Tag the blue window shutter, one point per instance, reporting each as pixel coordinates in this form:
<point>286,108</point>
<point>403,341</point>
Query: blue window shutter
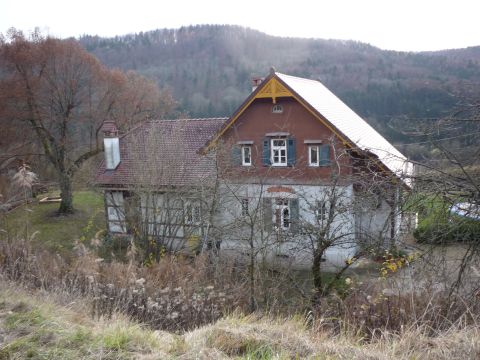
<point>266,152</point>
<point>291,155</point>
<point>324,155</point>
<point>236,155</point>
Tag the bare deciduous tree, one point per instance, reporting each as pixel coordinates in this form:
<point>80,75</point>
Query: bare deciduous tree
<point>62,94</point>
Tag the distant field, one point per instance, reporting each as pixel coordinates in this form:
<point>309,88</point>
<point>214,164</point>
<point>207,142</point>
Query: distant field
<point>58,234</point>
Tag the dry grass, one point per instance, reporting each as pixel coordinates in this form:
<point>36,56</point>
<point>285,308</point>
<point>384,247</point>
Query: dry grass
<point>174,295</point>
<point>38,324</point>
<point>42,325</point>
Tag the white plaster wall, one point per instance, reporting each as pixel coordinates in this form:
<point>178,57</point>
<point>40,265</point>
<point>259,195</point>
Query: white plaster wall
<point>115,211</point>
<point>373,222</point>
<point>295,251</point>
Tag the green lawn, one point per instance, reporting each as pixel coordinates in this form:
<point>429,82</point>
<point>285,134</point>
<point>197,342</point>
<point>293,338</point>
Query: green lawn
<point>57,233</point>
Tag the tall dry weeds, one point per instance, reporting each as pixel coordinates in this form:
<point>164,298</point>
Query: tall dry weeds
<point>174,295</point>
<point>179,294</point>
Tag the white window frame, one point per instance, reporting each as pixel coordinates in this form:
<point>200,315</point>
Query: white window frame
<point>280,206</point>
<point>315,148</point>
<point>246,155</point>
<point>278,148</point>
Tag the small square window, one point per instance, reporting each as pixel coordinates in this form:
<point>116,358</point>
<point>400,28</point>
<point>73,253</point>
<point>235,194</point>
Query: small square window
<point>246,155</point>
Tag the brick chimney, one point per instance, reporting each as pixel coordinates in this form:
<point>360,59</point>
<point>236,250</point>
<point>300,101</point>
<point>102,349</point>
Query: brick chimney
<point>109,129</point>
<point>111,144</point>
<point>256,81</point>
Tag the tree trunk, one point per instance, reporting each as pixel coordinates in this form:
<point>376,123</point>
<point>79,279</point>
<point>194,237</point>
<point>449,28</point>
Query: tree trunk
<point>317,279</point>
<point>66,193</point>
<point>251,275</point>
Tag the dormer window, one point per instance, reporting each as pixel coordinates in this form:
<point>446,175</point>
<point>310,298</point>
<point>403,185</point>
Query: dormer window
<point>277,109</point>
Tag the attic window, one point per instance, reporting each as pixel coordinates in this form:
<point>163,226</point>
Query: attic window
<point>277,109</point>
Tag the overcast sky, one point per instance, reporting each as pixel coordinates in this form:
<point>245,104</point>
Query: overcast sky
<point>413,25</point>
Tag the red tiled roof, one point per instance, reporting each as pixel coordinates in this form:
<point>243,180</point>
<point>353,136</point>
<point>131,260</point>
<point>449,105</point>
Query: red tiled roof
<point>162,153</point>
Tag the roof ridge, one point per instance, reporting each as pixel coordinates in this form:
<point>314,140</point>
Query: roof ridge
<point>301,78</point>
<point>190,119</point>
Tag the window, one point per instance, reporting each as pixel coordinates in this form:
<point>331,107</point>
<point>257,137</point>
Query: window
<point>246,155</point>
<point>313,155</point>
<point>324,155</point>
<point>278,149</point>
<point>244,207</point>
<point>279,152</point>
<point>321,211</point>
<point>319,155</point>
<point>192,213</point>
<point>281,214</point>
<point>115,211</point>
<point>277,109</point>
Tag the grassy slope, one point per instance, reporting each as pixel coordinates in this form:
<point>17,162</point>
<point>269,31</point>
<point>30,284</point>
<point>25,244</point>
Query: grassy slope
<point>35,326</point>
<point>41,326</point>
<point>59,233</point>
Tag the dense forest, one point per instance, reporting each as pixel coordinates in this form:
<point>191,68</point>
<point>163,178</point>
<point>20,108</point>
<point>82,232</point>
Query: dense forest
<point>209,67</point>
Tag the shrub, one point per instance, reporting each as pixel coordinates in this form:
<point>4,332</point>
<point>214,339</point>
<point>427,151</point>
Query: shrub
<point>369,309</point>
<point>438,226</point>
<point>453,230</point>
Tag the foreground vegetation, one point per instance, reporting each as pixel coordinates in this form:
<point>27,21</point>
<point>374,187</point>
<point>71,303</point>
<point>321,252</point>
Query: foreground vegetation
<point>41,325</point>
<point>89,303</point>
<point>84,307</point>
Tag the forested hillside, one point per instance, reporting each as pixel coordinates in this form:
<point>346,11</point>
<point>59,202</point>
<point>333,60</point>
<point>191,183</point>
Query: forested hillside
<point>209,70</point>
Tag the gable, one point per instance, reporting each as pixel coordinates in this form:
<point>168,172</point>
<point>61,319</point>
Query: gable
<point>260,119</point>
<point>273,89</point>
<point>258,127</point>
<point>349,127</point>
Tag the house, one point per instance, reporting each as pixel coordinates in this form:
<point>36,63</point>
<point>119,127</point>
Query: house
<point>292,162</point>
